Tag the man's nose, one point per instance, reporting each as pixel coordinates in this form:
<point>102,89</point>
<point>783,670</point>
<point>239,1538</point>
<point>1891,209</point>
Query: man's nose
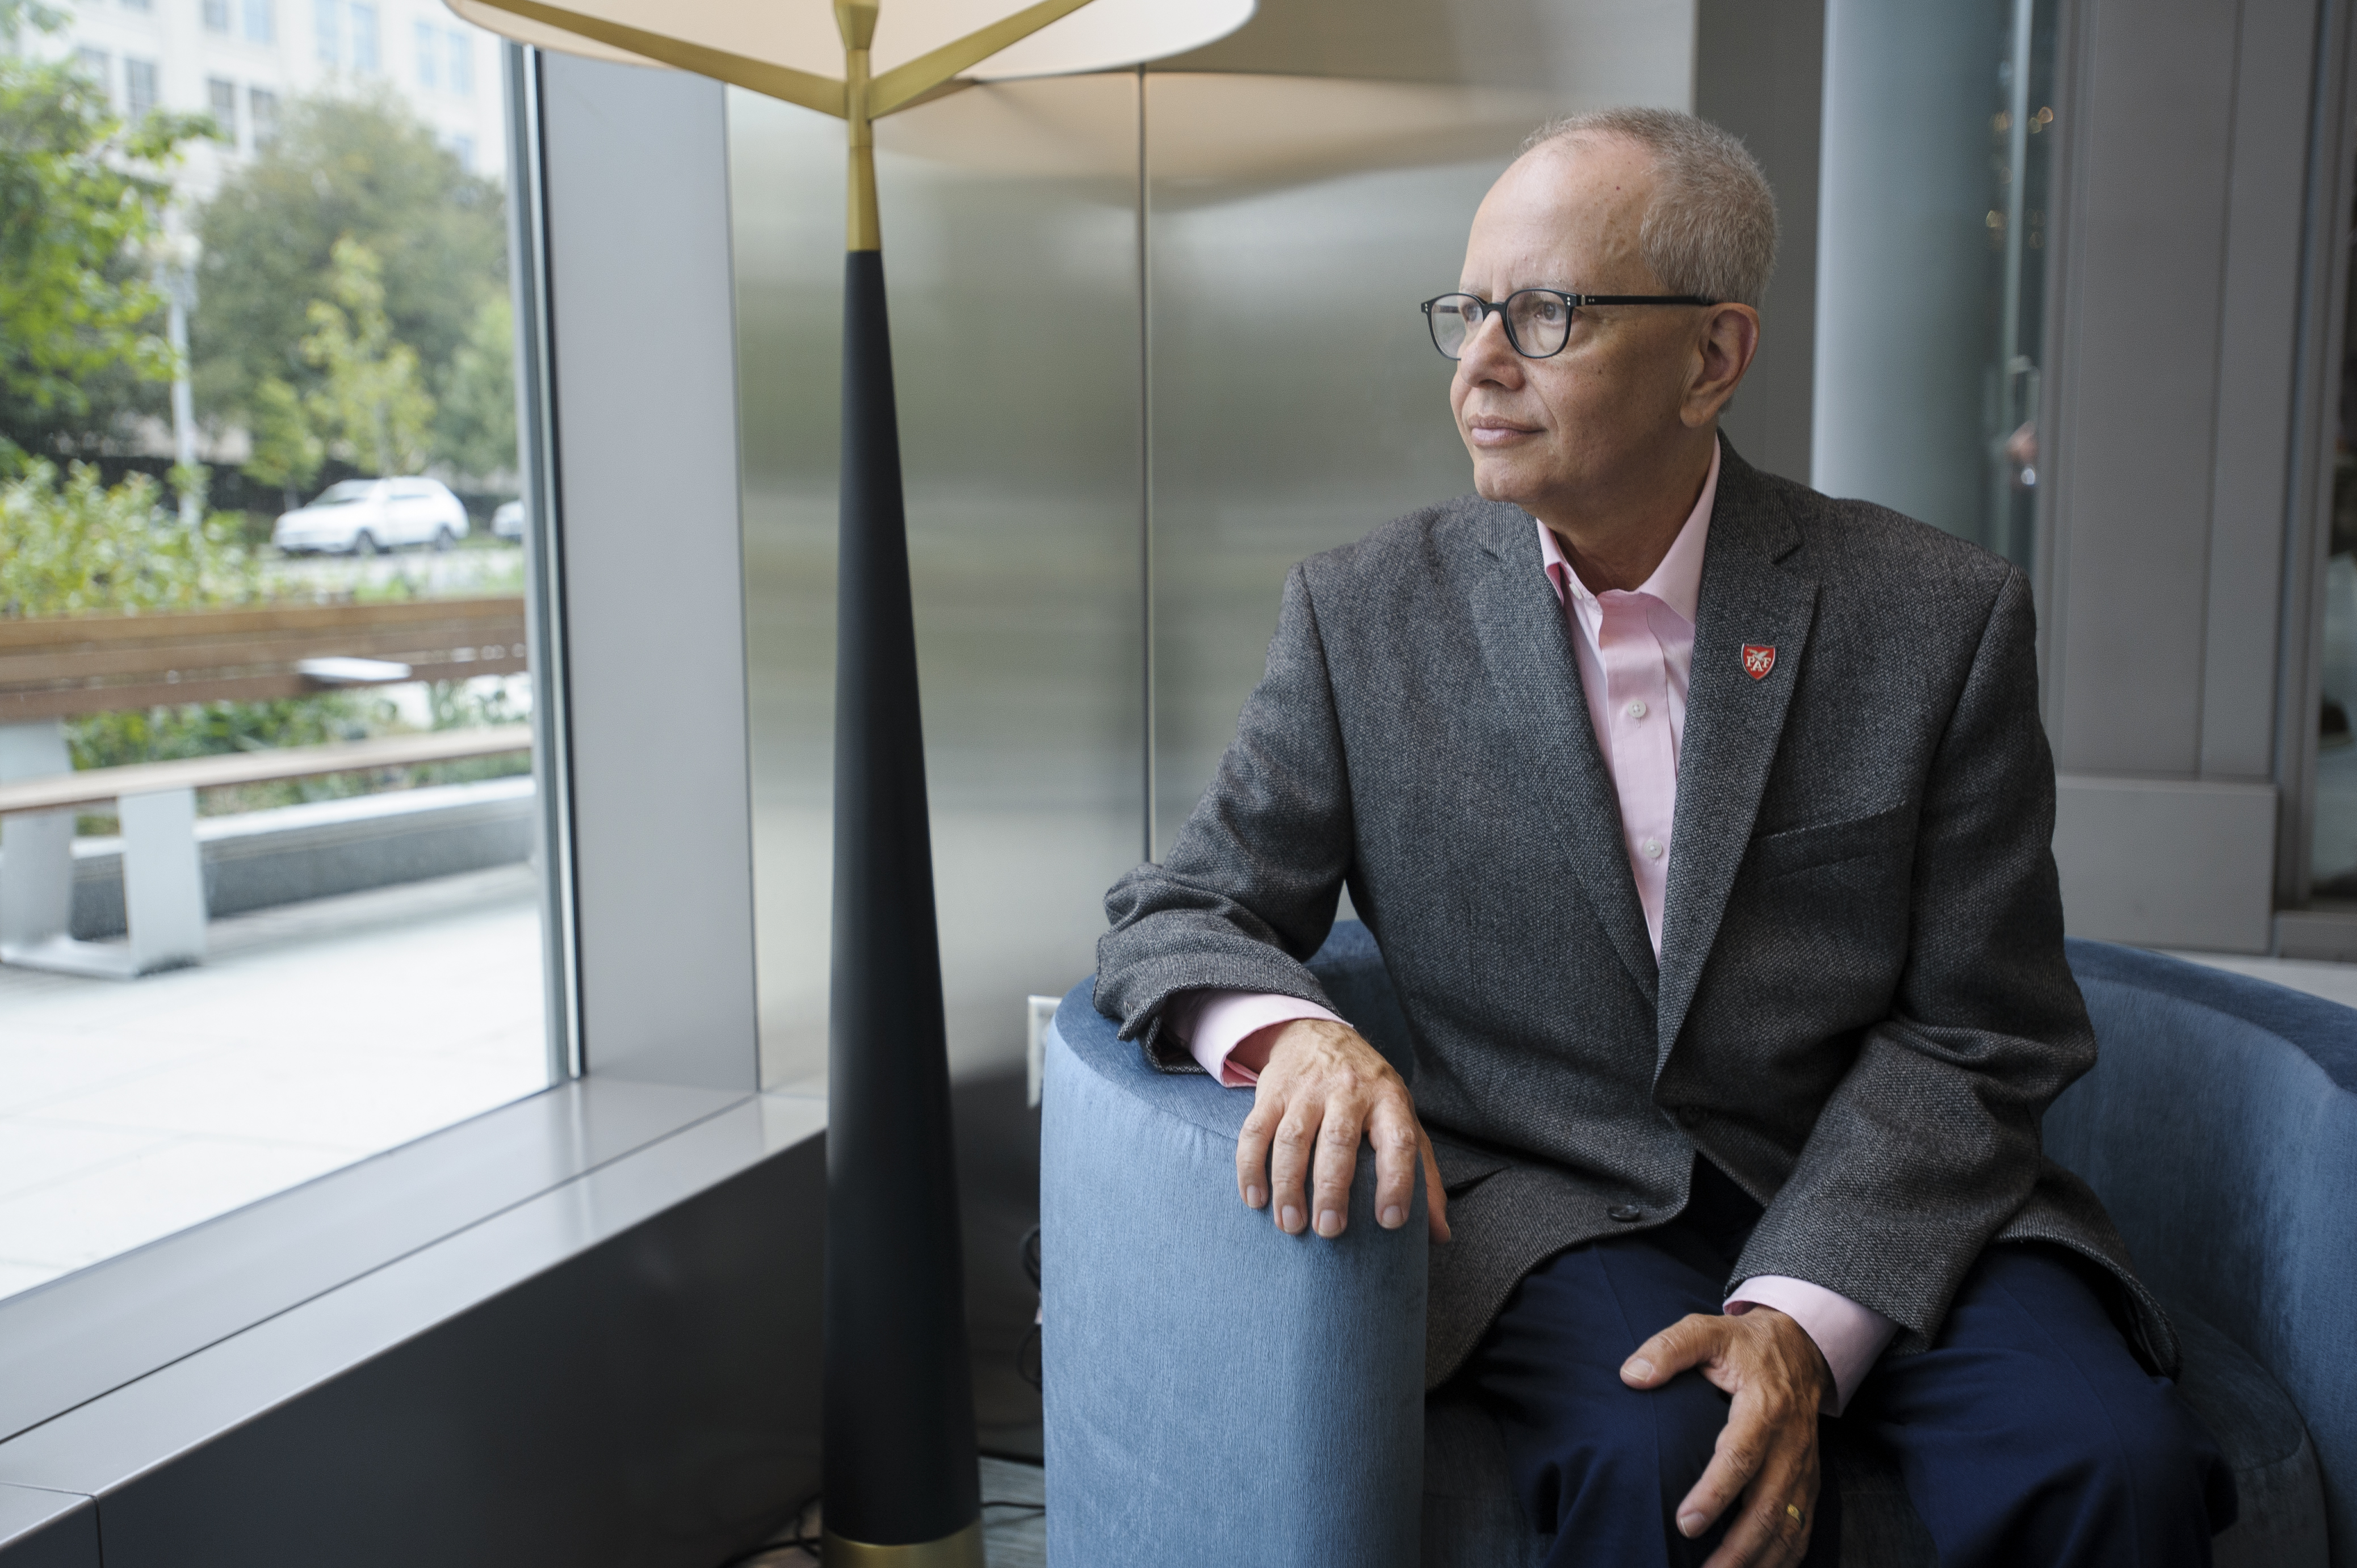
<point>1487,353</point>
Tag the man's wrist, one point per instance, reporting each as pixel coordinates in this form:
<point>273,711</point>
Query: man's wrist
<point>1785,1322</point>
<point>1848,1337</point>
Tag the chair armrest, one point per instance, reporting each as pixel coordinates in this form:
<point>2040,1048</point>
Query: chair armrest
<point>2220,1128</point>
<point>1216,1390</point>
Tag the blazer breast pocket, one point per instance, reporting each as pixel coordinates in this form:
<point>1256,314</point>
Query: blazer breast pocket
<point>1829,843</point>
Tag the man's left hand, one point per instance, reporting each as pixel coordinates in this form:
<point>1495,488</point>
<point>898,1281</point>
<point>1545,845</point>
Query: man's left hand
<point>1767,1453</point>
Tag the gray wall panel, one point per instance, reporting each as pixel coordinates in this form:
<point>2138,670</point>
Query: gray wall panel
<point>2256,353</point>
<point>646,442</point>
<point>2210,888</point>
<point>2144,301</point>
<point>1760,71</point>
<point>2195,176</point>
<point>1010,246</point>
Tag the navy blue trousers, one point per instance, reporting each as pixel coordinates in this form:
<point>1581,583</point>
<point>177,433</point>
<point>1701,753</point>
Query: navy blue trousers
<point>2027,1434</point>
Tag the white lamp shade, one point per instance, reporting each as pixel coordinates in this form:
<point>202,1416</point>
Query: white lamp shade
<point>801,34</point>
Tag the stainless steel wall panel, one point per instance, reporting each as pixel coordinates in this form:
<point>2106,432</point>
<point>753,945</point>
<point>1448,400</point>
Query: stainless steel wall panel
<point>1010,253</point>
<point>1293,224</point>
<point>1584,53</point>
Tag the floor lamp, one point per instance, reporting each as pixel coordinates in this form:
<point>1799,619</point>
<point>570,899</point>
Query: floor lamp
<point>902,1484</point>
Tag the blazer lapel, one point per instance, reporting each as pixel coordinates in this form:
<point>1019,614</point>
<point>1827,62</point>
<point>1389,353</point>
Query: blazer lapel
<point>1733,719</point>
<point>1526,649</point>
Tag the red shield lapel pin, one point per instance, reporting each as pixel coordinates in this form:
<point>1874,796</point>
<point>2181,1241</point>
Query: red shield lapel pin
<point>1758,661</point>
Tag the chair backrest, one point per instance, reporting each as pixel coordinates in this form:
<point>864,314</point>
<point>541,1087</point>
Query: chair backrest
<point>2220,1128</point>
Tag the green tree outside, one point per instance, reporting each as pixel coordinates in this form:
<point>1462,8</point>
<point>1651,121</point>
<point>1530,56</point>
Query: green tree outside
<point>372,401</point>
<point>81,196</point>
<point>475,432</point>
<point>361,169</point>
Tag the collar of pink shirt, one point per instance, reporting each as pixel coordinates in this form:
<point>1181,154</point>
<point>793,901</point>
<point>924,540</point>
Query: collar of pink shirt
<point>1676,582</point>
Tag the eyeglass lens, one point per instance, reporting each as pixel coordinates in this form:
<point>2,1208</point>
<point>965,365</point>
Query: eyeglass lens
<point>1537,321</point>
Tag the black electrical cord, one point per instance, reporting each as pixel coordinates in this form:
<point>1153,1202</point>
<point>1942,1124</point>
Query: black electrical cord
<point>1026,1355</point>
<point>808,1545</point>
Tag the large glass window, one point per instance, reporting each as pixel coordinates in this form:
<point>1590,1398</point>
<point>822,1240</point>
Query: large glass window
<point>267,805</point>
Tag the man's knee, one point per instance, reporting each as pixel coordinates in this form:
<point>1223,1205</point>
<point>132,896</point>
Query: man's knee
<point>2136,1453</point>
<point>1659,1438</point>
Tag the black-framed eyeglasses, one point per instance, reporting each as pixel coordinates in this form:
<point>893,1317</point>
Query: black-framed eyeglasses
<point>1537,321</point>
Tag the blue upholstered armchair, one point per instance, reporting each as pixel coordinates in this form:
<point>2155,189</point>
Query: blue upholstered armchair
<point>1218,1391</point>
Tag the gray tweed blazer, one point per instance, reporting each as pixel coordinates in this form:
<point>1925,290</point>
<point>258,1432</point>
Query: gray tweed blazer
<point>1861,1010</point>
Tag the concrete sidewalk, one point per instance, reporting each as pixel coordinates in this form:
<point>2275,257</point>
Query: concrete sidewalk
<point>315,1034</point>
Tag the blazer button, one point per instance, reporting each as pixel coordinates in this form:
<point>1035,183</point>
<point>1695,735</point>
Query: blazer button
<point>1625,1213</point>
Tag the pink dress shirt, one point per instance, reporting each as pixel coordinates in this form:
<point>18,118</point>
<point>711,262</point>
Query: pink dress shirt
<point>1635,649</point>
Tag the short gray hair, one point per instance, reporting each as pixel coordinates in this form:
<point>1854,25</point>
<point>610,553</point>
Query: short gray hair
<point>1711,229</point>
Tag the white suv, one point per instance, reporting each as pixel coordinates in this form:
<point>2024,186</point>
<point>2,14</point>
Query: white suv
<point>363,516</point>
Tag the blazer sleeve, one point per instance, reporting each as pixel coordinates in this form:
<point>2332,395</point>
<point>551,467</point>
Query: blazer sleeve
<point>1930,1142</point>
<point>1250,886</point>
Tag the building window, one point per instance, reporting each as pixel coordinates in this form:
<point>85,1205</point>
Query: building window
<point>96,65</point>
<point>327,30</point>
<point>462,65</point>
<point>262,110</point>
<point>463,149</point>
<point>365,58</point>
<point>260,22</point>
<point>221,98</point>
<point>139,4</point>
<point>429,55</point>
<point>138,86</point>
<point>216,15</point>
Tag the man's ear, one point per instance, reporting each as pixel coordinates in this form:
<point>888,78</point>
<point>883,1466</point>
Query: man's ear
<point>1731,336</point>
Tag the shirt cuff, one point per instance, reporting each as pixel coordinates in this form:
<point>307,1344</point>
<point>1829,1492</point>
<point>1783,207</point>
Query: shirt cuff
<point>1848,1335</point>
<point>1212,1023</point>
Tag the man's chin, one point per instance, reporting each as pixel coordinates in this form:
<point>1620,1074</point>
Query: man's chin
<point>1494,483</point>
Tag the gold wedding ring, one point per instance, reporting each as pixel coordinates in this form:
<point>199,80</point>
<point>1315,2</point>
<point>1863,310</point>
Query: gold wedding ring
<point>1795,1510</point>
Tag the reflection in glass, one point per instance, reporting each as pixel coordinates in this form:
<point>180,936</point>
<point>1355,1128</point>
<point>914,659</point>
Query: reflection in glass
<point>2021,136</point>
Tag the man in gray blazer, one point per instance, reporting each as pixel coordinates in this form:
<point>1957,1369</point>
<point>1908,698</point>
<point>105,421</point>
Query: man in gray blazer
<point>1704,824</point>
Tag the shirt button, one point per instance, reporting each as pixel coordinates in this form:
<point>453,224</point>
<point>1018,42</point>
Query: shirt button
<point>1651,849</point>
<point>1637,710</point>
<point>1624,1213</point>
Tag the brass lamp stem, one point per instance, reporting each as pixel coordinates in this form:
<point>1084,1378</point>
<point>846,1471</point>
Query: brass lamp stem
<point>856,21</point>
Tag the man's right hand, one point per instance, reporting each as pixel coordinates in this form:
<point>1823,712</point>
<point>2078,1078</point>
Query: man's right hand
<point>1321,1086</point>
